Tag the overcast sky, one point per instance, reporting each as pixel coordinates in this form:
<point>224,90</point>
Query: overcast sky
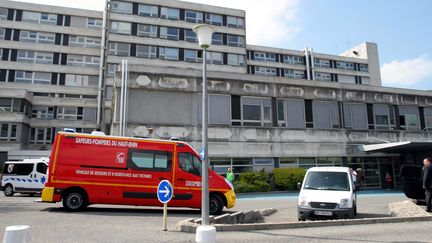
<point>401,29</point>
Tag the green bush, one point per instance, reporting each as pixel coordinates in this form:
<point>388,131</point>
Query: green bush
<point>252,182</point>
<point>287,178</point>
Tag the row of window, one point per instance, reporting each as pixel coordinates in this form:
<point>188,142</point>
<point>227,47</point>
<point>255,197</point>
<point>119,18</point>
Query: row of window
<point>15,105</point>
<point>30,77</point>
<point>296,113</point>
<point>173,33</point>
<point>63,113</point>
<point>341,65</point>
<point>192,16</point>
<point>173,54</point>
<point>50,38</point>
<point>301,74</point>
<point>50,18</point>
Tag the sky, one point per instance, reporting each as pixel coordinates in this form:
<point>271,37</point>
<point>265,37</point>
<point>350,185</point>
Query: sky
<point>401,29</point>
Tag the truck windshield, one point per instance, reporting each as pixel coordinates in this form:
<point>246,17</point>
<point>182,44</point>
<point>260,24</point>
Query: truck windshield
<point>334,181</point>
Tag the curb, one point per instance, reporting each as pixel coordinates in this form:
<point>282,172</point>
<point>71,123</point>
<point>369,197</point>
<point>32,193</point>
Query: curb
<point>188,227</point>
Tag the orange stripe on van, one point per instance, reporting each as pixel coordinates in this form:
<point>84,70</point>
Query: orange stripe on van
<point>102,184</point>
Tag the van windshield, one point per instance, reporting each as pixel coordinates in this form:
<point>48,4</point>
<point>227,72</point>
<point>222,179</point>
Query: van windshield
<point>334,181</point>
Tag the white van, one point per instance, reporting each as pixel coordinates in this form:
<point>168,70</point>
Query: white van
<point>327,192</point>
<point>27,176</point>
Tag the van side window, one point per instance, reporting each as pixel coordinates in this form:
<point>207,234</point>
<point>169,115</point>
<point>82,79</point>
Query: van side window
<point>41,168</point>
<point>149,160</point>
<point>23,169</point>
<point>190,163</point>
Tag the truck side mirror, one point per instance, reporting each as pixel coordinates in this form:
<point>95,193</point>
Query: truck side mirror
<point>299,185</point>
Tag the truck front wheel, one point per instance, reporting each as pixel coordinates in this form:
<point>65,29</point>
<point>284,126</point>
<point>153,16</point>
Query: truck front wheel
<point>216,204</point>
<point>74,201</point>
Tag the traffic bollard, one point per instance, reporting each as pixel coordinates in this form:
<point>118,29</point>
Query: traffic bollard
<point>17,234</point>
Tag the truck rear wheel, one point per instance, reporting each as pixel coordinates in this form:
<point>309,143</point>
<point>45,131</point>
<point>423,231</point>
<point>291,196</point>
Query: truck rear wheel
<point>216,204</point>
<point>8,190</point>
<point>74,201</point>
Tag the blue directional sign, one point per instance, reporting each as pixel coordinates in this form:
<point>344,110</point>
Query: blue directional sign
<point>165,191</point>
<point>202,154</point>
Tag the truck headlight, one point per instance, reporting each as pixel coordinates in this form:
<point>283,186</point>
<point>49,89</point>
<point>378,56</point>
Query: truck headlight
<point>302,202</point>
<point>344,203</point>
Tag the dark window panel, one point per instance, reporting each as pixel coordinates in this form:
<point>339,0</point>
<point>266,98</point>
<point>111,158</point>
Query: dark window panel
<point>11,77</point>
<point>135,8</point>
<point>5,56</point>
<point>309,113</point>
<point>67,20</point>
<point>134,29</point>
<point>57,39</point>
<point>274,113</point>
<point>14,53</point>
<point>65,39</point>
<point>225,58</point>
<point>54,77</point>
<point>80,111</point>
<point>224,20</point>
<point>370,116</point>
<point>63,59</point>
<point>10,14</point>
<point>182,14</point>
<point>60,19</point>
<point>18,15</point>
<point>181,34</point>
<point>235,107</point>
<point>8,34</point>
<point>56,58</point>
<point>394,115</point>
<point>16,35</point>
<point>422,118</point>
<point>62,79</point>
<point>181,54</point>
<point>133,50</point>
<point>3,75</point>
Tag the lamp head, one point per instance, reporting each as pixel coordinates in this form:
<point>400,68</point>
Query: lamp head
<point>204,33</point>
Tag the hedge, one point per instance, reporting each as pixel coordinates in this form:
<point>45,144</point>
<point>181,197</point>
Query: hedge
<point>287,178</point>
<point>252,182</point>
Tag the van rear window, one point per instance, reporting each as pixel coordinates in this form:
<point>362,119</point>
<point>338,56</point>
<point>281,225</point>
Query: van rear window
<point>149,160</point>
<point>18,169</point>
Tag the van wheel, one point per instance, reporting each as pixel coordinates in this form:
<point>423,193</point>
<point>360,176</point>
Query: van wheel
<point>355,209</point>
<point>8,190</point>
<point>216,204</point>
<point>74,201</point>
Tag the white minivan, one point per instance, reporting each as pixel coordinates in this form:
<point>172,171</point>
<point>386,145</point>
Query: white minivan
<point>27,176</point>
<point>327,192</point>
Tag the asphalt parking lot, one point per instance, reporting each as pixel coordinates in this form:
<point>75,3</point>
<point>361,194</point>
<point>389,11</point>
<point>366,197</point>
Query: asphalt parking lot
<point>113,223</point>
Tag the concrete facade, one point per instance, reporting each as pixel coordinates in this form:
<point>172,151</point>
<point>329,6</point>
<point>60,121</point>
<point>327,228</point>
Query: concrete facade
<point>269,107</point>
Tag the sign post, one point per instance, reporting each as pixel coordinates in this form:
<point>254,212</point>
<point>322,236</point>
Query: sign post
<point>165,192</point>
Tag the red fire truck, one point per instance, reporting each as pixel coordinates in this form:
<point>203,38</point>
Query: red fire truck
<point>89,169</point>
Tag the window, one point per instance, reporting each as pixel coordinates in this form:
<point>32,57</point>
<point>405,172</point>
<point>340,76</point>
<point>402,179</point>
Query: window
<point>3,13</point>
<point>215,19</point>
<point>219,109</point>
<point>23,169</point>
<point>84,41</point>
<point>94,23</point>
<point>217,39</point>
<point>30,17</point>
<point>322,76</point>
<point>23,77</point>
<point>190,36</point>
<point>166,53</point>
<point>43,112</point>
<point>193,16</point>
<point>409,118</point>
<point>262,56</point>
<point>28,36</point>
<point>346,79</point>
<point>121,7</point>
<point>6,104</point>
<point>2,33</point>
<point>147,10</point>
<point>119,49</point>
<point>264,161</point>
<point>40,135</point>
<point>42,78</point>
<point>345,65</point>
<point>26,56</point>
<point>235,40</point>
<point>365,80</point>
<point>146,51</point>
<point>355,116</point>
<point>215,58</point>
<point>76,80</point>
<point>121,27</point>
<point>235,60</point>
<point>68,113</point>
<point>44,57</point>
<point>428,118</point>
<point>41,168</point>
<point>235,22</point>
<point>321,63</point>
<point>265,71</point>
<point>326,115</point>
<point>149,160</point>
<point>146,30</point>
<point>47,18</point>
<point>363,67</point>
<point>291,73</point>
<point>383,117</point>
<point>192,56</point>
<point>190,163</point>
<point>8,132</point>
<point>112,68</point>
<point>291,113</point>
<point>169,33</point>
<point>289,59</point>
<point>256,111</point>
<point>46,38</point>
<point>83,61</point>
<point>170,13</point>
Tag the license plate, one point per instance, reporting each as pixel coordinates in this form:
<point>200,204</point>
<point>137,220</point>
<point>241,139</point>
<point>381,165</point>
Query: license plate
<point>323,213</point>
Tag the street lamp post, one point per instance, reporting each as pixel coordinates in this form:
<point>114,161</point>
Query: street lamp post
<point>205,232</point>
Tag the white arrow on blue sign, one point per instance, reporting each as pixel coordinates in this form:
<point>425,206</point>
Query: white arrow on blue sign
<point>165,191</point>
<point>202,155</point>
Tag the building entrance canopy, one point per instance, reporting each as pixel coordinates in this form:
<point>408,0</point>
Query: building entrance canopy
<point>399,147</point>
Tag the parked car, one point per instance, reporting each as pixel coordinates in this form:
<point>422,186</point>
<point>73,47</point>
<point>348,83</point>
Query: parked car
<point>411,182</point>
<point>327,192</point>
<point>27,176</point>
